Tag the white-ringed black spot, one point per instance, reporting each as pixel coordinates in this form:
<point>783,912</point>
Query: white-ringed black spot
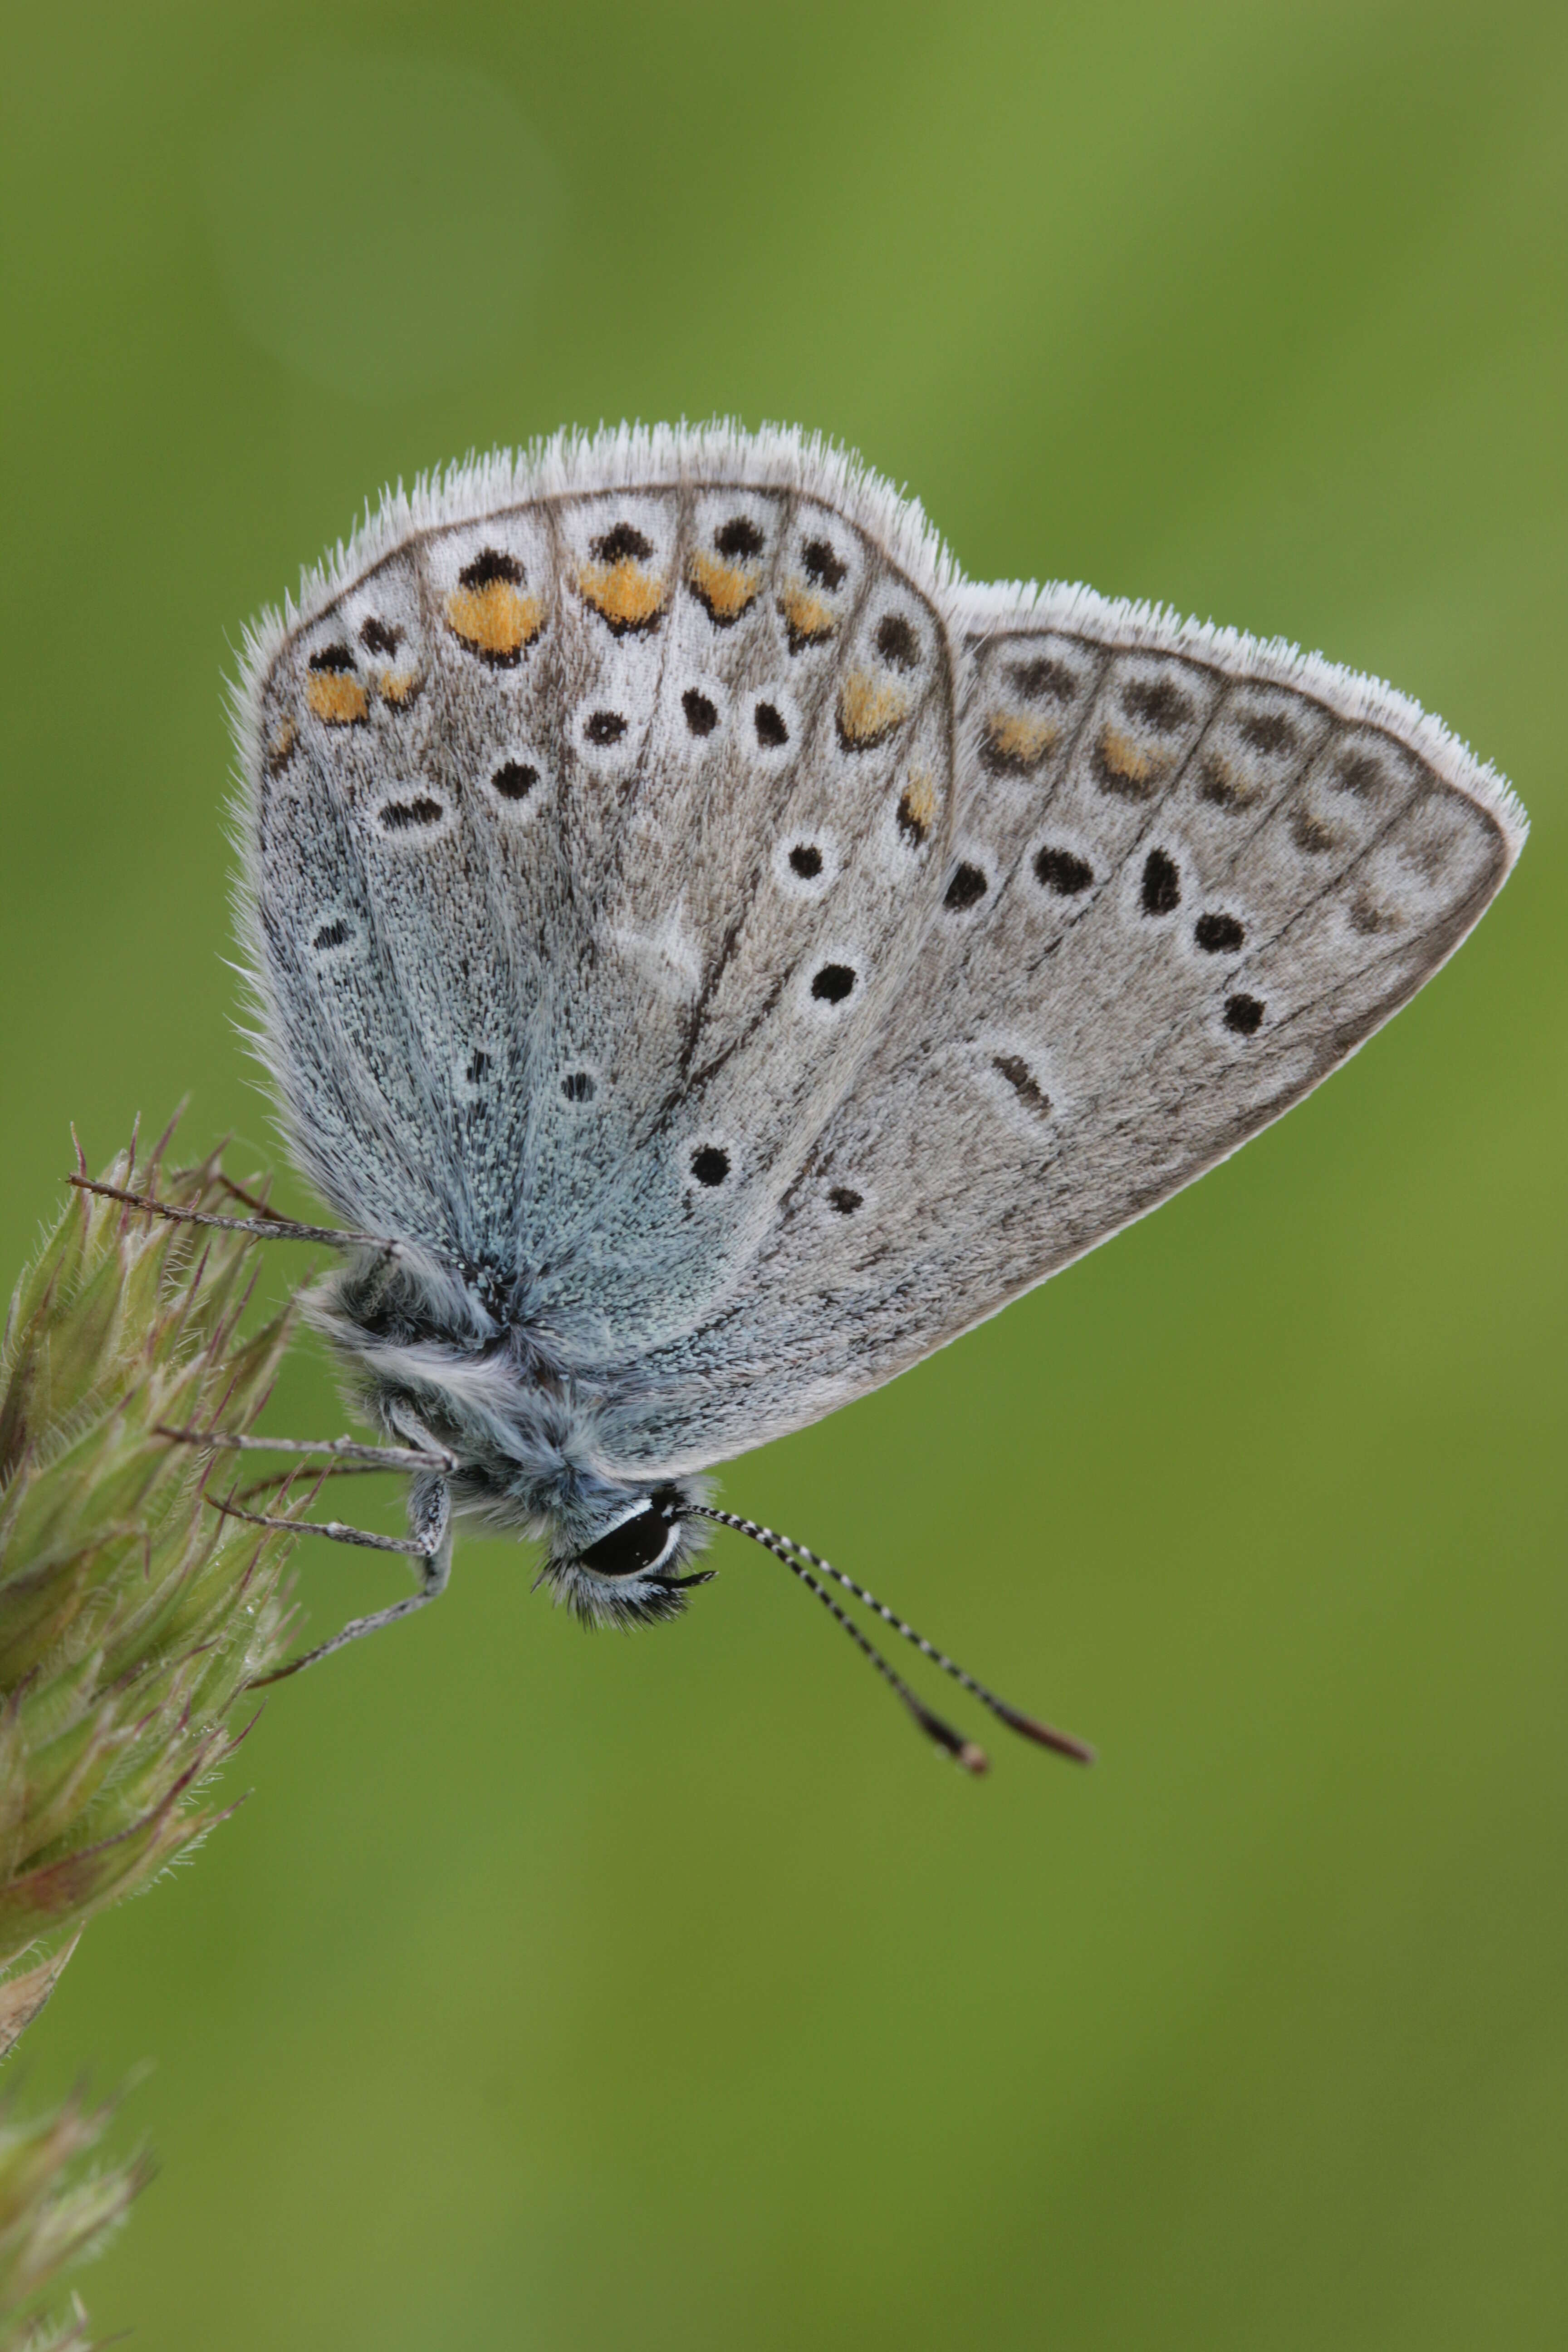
<point>844,1199</point>
<point>966,889</point>
<point>739,539</point>
<point>701,715</point>
<point>622,545</point>
<point>405,816</point>
<point>806,859</point>
<point>1162,892</point>
<point>897,642</point>
<point>1218,934</point>
<point>1061,871</point>
<point>335,934</point>
<point>821,566</point>
<point>772,731</point>
<point>1244,1014</point>
<point>833,984</point>
<point>514,779</point>
<point>578,1087</point>
<point>1023,1081</point>
<point>604,727</point>
<point>711,1164</point>
<point>379,636</point>
<point>336,658</point>
<point>489,566</point>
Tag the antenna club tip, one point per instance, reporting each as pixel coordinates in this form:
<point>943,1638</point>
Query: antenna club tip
<point>1044,1735</point>
<point>974,1759</point>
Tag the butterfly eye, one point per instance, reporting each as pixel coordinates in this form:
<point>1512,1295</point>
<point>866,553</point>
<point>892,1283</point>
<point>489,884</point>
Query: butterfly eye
<point>637,1543</point>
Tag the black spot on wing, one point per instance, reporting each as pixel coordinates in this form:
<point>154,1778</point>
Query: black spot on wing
<point>1267,730</point>
<point>625,544</point>
<point>513,780</point>
<point>1061,871</point>
<point>897,642</point>
<point>409,816</point>
<point>1158,703</point>
<point>820,565</point>
<point>739,539</point>
<point>489,566</point>
<point>1023,1081</point>
<point>833,984</point>
<point>1044,680</point>
<point>1161,890</point>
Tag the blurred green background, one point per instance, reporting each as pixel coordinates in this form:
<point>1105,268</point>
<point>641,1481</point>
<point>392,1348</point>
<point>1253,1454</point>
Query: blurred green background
<point>563,1994</point>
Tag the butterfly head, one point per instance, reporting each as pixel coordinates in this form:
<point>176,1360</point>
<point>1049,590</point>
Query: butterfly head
<point>629,1565</point>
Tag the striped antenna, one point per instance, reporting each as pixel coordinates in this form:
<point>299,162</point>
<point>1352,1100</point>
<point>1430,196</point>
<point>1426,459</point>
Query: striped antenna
<point>800,1560</point>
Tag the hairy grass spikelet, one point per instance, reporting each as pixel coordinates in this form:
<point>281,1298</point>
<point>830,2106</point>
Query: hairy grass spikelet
<point>132,1617</point>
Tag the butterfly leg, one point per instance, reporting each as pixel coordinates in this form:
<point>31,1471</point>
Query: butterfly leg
<point>429,1543</point>
<point>265,1228</point>
<point>340,1449</point>
<point>286,1477</point>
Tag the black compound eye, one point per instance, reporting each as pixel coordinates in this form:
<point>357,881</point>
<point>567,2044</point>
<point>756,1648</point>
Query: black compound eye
<point>636,1544</point>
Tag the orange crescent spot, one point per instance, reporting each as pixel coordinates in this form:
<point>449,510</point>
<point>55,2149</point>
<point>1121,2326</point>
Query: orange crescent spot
<point>726,588</point>
<point>1019,740</point>
<point>869,709</point>
<point>918,805</point>
<point>1220,782</point>
<point>808,618</point>
<point>337,698</point>
<point>622,593</point>
<point>399,686</point>
<point>1121,755</point>
<point>496,620</point>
